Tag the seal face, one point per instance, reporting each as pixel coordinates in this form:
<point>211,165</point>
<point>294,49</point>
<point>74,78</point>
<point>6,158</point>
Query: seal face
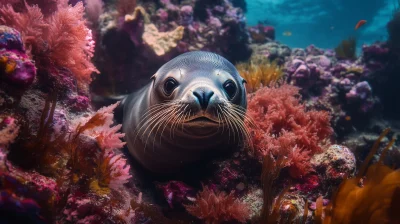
<point>196,103</point>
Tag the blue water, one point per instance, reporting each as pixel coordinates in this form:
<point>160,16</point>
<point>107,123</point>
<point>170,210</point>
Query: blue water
<point>323,22</point>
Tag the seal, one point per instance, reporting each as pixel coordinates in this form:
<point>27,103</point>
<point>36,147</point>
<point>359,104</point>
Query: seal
<point>194,105</point>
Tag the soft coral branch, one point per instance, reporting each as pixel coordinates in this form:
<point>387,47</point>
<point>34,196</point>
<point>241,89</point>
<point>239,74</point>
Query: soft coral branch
<point>286,128</point>
<point>60,39</point>
<point>218,207</point>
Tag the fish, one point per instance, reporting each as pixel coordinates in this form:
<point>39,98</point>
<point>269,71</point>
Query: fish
<point>359,24</point>
<point>287,33</point>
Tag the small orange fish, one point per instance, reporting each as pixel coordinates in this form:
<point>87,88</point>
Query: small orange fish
<point>359,24</point>
<point>347,118</point>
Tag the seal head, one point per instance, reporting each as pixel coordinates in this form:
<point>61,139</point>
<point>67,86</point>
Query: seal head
<point>194,105</point>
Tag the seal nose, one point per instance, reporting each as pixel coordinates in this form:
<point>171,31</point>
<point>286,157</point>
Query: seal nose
<point>203,95</point>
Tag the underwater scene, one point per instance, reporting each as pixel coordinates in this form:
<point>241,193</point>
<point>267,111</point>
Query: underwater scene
<point>199,111</point>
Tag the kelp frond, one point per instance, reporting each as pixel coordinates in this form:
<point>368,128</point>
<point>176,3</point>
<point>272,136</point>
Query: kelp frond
<point>372,199</point>
<point>347,49</point>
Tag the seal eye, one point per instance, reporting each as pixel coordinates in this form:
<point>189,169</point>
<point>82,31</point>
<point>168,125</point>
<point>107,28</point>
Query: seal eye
<point>170,85</point>
<point>230,88</point>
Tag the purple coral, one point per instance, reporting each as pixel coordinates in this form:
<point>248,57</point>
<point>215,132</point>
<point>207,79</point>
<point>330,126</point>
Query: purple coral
<point>15,66</point>
<point>10,39</point>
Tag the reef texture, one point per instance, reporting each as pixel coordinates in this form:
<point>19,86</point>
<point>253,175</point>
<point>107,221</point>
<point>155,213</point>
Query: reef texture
<point>62,160</point>
<point>137,39</point>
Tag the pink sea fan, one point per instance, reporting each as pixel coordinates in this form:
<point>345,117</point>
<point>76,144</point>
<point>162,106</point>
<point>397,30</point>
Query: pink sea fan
<point>8,130</point>
<point>107,137</point>
<point>284,127</point>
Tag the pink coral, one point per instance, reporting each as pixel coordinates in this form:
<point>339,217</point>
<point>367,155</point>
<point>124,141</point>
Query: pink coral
<point>60,39</point>
<point>285,128</point>
<point>107,137</point>
<point>111,170</point>
<point>218,207</point>
<point>118,170</point>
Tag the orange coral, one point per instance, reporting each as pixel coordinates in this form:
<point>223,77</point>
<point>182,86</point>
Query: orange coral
<point>218,207</point>
<point>374,199</point>
<point>284,127</point>
<point>259,73</point>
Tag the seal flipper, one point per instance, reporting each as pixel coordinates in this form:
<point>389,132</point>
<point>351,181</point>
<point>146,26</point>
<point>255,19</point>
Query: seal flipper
<point>98,102</point>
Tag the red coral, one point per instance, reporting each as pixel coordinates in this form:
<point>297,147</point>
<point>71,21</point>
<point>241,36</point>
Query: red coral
<point>286,128</point>
<point>60,39</point>
<point>218,207</point>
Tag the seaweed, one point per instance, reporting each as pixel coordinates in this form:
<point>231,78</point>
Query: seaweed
<point>374,198</point>
<point>347,49</point>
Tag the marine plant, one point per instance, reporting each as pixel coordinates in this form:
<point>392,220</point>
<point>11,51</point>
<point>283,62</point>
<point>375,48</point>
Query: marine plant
<point>286,128</point>
<point>259,72</point>
<point>347,49</point>
<point>271,210</point>
<point>55,35</point>
<point>217,207</point>
<point>372,196</point>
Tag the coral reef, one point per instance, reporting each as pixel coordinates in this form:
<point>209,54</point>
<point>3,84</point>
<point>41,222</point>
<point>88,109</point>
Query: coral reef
<point>262,34</point>
<point>339,86</point>
<point>284,127</point>
<point>373,199</point>
<point>274,51</point>
<point>51,38</point>
<point>259,73</point>
<point>16,67</point>
<point>61,161</point>
<point>140,38</point>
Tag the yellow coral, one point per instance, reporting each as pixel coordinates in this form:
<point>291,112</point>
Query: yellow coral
<point>8,64</point>
<point>259,72</point>
<point>161,42</point>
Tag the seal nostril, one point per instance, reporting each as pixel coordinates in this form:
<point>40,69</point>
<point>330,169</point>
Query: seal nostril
<point>203,96</point>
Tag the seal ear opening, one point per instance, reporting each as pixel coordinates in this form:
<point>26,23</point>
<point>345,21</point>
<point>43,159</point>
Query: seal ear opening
<point>153,78</point>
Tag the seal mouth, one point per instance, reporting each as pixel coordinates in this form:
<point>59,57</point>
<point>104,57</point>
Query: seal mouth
<point>202,120</point>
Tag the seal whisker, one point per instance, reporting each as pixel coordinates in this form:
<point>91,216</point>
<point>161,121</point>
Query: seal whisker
<point>180,120</point>
<point>232,120</point>
<point>165,122</point>
<point>153,120</point>
<point>242,111</point>
<point>143,123</point>
<point>174,121</point>
<point>170,119</point>
<point>243,127</point>
<point>158,120</point>
<point>229,123</point>
<point>226,122</point>
<point>153,109</point>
